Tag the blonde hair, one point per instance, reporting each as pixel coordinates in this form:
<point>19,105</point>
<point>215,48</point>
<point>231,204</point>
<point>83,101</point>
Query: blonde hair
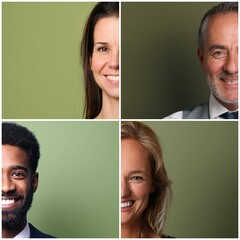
<point>156,210</point>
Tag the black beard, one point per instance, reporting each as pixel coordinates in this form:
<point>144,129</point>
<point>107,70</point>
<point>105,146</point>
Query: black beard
<point>13,218</point>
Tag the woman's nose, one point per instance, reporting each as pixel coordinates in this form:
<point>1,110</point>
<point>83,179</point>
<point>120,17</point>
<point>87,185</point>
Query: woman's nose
<point>125,190</point>
<point>114,60</point>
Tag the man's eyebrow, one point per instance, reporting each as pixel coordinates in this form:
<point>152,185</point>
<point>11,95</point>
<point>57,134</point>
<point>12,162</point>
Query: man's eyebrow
<point>216,46</point>
<point>19,168</point>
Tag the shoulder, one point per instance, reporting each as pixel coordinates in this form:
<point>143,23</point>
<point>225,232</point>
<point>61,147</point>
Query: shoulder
<point>176,115</point>
<point>199,112</point>
<point>35,233</point>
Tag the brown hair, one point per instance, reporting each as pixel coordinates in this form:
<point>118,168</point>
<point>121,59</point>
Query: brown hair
<point>93,94</point>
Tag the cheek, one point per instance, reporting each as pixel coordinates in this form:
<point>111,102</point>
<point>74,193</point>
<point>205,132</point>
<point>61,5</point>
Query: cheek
<point>142,192</point>
<point>97,63</point>
<point>213,67</point>
<point>23,187</point>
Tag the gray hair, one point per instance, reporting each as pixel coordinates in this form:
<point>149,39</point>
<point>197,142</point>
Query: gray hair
<point>223,8</point>
<point>156,210</point>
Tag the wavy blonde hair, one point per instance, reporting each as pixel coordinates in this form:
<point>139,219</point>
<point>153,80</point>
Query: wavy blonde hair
<point>156,210</point>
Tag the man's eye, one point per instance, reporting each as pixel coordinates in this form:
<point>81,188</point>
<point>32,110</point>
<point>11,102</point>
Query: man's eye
<point>219,54</point>
<point>18,175</point>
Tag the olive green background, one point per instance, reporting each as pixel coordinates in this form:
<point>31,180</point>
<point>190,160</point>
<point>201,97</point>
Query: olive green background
<point>41,69</point>
<point>201,159</point>
<point>160,70</point>
<point>78,192</point>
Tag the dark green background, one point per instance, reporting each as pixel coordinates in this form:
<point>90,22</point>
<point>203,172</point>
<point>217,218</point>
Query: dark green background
<point>160,70</point>
<point>202,161</point>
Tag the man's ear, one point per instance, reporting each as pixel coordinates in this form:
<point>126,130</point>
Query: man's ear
<point>35,181</point>
<point>200,57</point>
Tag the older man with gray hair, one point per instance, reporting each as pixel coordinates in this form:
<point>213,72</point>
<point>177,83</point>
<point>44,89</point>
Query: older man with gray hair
<point>218,56</point>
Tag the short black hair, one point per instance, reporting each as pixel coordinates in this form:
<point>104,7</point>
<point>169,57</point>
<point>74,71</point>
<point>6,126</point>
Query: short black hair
<point>19,136</point>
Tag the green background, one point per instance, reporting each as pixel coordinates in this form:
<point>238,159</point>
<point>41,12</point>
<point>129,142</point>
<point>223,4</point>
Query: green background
<point>160,70</point>
<point>78,187</point>
<point>202,161</point>
<point>41,69</point>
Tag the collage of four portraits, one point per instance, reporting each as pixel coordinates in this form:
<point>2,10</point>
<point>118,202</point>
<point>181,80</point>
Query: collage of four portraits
<point>130,110</point>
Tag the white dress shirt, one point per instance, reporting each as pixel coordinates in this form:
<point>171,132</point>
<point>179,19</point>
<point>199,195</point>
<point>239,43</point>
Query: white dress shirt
<point>215,110</point>
<point>25,233</point>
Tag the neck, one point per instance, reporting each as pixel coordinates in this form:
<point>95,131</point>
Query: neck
<point>12,232</point>
<point>131,230</point>
<point>136,230</point>
<point>110,108</point>
<point>228,106</point>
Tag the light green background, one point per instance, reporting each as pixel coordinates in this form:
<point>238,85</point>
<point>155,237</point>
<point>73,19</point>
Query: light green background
<point>78,187</point>
<point>202,161</point>
<point>160,70</point>
<point>41,69</point>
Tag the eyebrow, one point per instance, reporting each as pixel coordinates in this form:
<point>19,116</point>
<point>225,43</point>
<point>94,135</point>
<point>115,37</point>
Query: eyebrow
<point>137,172</point>
<point>216,46</point>
<point>19,168</point>
<point>102,43</point>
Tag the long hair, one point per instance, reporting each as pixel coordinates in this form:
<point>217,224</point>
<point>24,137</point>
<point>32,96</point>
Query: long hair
<point>93,94</point>
<point>156,210</point>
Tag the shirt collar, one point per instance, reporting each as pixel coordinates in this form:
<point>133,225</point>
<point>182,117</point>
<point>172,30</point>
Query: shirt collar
<point>215,108</point>
<point>25,233</point>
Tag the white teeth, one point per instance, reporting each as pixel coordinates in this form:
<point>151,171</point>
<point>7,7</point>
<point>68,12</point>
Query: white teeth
<point>7,201</point>
<point>231,82</point>
<point>126,204</point>
<point>113,78</point>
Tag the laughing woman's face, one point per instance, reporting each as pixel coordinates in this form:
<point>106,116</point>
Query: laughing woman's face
<point>105,57</point>
<point>136,181</point>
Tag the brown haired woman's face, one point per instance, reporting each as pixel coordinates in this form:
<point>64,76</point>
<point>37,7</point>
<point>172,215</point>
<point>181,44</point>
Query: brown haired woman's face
<point>105,57</point>
<point>136,181</point>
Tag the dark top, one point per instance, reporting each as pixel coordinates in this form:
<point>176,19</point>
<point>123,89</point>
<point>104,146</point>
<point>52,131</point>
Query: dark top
<point>35,233</point>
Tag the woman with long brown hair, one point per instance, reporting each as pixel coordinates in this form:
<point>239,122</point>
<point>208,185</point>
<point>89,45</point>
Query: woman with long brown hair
<point>100,57</point>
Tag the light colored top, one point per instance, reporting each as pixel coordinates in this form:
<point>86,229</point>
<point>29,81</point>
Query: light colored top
<point>25,233</point>
<point>215,110</point>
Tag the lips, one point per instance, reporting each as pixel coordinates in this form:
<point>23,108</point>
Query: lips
<point>7,201</point>
<point>230,79</point>
<point>10,202</point>
<point>112,77</point>
<point>127,204</point>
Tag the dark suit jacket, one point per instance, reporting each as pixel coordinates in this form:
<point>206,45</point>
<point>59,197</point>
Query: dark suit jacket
<point>35,233</point>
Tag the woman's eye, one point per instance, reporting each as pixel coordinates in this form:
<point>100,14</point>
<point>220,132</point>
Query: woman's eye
<point>102,49</point>
<point>219,54</point>
<point>136,179</point>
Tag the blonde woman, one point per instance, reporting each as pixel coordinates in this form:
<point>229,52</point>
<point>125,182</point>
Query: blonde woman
<point>145,187</point>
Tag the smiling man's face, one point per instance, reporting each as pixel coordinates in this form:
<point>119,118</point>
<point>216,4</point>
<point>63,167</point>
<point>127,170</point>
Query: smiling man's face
<point>219,58</point>
<point>18,186</point>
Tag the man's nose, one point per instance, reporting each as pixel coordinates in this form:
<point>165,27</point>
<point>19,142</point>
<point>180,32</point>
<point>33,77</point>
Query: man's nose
<point>125,189</point>
<point>7,184</point>
<point>231,64</point>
